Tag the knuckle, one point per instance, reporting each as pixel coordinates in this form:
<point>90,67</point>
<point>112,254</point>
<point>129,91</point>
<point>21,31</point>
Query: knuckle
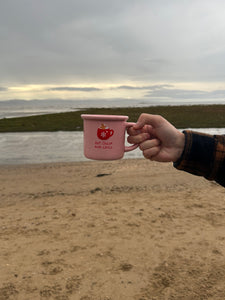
<point>132,131</point>
<point>130,139</point>
<point>146,155</point>
<point>160,119</point>
<point>144,116</point>
<point>138,139</point>
<point>142,146</point>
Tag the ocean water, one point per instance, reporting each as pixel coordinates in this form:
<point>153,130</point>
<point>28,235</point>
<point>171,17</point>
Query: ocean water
<point>40,147</point>
<point>14,109</point>
<point>22,108</point>
<point>47,147</point>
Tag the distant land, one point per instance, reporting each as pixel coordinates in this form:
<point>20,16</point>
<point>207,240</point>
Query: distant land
<point>189,116</point>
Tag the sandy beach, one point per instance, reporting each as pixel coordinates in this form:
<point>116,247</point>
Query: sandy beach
<point>128,229</point>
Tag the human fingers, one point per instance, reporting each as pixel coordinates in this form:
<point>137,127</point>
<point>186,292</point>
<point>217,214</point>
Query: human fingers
<point>139,138</point>
<point>152,153</point>
<point>132,131</point>
<point>150,149</point>
<point>148,144</point>
<point>144,119</point>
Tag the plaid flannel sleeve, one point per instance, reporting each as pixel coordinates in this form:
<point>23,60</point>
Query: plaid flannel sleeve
<point>203,155</point>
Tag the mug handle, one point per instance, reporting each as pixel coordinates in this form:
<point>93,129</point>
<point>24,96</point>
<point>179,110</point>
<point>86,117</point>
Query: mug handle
<point>132,147</point>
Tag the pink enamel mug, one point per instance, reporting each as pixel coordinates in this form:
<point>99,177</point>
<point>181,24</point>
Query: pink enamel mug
<point>104,136</point>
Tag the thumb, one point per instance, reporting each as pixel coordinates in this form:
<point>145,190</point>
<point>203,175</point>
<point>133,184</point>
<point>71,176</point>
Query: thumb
<point>147,119</point>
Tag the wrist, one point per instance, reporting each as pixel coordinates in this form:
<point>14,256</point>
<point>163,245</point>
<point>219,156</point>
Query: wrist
<point>179,146</point>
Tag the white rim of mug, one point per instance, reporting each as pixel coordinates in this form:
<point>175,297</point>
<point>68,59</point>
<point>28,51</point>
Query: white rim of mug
<point>104,117</point>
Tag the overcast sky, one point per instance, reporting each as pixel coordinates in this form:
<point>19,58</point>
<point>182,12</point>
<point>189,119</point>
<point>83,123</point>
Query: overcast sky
<point>81,49</point>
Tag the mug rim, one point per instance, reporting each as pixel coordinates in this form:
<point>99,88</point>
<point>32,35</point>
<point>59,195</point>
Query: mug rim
<point>104,117</point>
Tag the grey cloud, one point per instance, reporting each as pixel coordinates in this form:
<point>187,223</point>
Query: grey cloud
<point>80,89</point>
<point>217,94</point>
<point>61,41</point>
<point>129,87</point>
<point>186,94</point>
<point>149,87</point>
<point>3,89</point>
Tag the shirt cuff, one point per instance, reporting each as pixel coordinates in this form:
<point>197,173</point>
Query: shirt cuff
<point>198,155</point>
<point>179,164</point>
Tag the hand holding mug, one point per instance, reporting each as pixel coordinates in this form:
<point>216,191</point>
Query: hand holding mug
<point>157,138</point>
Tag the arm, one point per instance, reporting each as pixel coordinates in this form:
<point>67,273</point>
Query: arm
<point>196,153</point>
<point>203,155</point>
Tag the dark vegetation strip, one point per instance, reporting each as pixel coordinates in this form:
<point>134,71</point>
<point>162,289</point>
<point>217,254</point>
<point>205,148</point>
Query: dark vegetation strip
<point>194,116</point>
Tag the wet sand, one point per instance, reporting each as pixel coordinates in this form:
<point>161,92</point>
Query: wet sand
<point>128,229</point>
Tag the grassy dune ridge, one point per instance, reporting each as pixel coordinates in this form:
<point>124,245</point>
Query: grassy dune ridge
<point>192,116</point>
